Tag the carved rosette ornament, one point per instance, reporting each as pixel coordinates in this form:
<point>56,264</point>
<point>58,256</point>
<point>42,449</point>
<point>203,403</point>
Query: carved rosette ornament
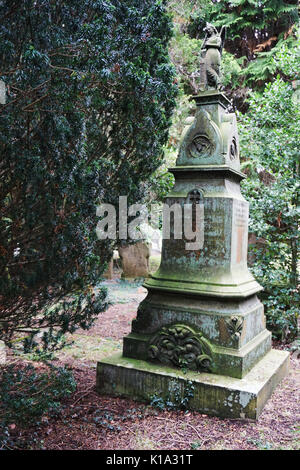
<point>181,346</point>
<point>200,145</point>
<point>235,326</point>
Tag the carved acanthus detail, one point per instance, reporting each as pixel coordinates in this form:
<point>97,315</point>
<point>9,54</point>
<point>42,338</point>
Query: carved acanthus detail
<point>181,346</point>
<point>235,326</point>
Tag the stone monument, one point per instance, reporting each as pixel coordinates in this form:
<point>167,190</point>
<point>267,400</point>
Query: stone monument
<point>202,322</point>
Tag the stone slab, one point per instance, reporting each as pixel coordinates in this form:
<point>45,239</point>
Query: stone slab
<point>213,394</point>
<point>203,313</point>
<point>212,97</point>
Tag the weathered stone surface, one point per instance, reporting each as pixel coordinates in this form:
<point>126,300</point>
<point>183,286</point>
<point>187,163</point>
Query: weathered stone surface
<point>236,345</point>
<point>232,362</point>
<point>2,353</point>
<point>135,260</point>
<point>213,394</point>
<point>204,313</point>
<point>219,268</point>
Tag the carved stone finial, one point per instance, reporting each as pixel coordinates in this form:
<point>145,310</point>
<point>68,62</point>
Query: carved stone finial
<point>211,52</point>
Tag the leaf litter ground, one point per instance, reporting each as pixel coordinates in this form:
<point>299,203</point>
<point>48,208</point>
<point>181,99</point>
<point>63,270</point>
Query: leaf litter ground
<point>90,421</point>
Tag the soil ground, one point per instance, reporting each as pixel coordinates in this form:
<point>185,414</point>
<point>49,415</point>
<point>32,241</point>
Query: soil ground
<point>90,421</point>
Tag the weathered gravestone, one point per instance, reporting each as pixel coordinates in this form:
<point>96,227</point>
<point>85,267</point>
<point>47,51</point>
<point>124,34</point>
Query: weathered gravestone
<point>135,260</point>
<point>296,94</point>
<point>202,322</point>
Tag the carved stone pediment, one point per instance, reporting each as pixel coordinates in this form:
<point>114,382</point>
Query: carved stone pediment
<point>201,142</point>
<point>211,137</point>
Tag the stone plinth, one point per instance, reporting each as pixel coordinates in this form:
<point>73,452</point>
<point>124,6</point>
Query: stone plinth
<point>234,330</point>
<point>213,394</point>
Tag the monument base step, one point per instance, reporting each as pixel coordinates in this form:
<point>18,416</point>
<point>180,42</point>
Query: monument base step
<point>213,394</point>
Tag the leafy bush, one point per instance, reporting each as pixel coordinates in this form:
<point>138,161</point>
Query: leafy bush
<point>252,25</point>
<point>256,31</point>
<point>90,96</point>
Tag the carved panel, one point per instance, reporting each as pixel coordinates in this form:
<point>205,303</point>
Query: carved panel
<point>195,196</point>
<point>181,346</point>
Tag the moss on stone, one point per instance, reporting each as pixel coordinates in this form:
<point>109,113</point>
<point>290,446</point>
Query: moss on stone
<point>213,394</point>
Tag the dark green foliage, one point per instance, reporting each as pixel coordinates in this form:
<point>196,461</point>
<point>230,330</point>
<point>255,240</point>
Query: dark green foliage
<point>90,96</point>
<point>264,68</point>
<point>26,395</point>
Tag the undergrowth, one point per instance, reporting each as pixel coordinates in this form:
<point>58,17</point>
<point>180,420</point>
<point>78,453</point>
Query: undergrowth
<point>27,394</point>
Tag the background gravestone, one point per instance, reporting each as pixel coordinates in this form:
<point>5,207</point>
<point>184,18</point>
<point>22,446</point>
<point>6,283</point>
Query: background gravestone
<point>2,353</point>
<point>135,260</point>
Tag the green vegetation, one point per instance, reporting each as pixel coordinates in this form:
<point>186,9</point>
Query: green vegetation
<point>256,31</point>
<point>270,149</point>
<point>26,395</point>
<point>90,96</point>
